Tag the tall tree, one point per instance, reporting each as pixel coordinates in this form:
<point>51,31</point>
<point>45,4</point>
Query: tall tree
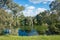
<point>55,8</point>
<point>5,19</point>
<point>4,2</point>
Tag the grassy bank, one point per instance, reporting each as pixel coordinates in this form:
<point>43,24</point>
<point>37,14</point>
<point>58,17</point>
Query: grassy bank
<point>55,37</point>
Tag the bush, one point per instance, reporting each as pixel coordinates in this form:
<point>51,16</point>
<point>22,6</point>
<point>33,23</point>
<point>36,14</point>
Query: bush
<point>41,29</point>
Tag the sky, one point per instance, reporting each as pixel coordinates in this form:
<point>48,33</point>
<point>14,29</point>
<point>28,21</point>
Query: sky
<point>34,7</point>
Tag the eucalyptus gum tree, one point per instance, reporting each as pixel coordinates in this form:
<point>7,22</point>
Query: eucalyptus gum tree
<point>5,19</point>
<point>15,9</point>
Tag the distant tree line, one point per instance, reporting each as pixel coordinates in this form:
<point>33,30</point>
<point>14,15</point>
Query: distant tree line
<point>47,22</point>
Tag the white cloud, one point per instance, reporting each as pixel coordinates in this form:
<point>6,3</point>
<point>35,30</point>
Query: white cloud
<point>29,11</point>
<point>35,1</point>
<point>39,1</point>
<point>30,7</point>
<point>40,10</point>
<point>32,11</point>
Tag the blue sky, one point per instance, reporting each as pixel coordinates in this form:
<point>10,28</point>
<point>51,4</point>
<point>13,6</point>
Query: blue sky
<point>34,7</point>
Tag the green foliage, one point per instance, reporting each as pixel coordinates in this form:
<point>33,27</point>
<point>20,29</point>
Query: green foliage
<point>42,22</point>
<point>58,0</point>
<point>41,28</point>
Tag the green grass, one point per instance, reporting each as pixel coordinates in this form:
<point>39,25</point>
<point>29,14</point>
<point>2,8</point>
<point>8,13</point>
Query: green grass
<point>54,37</point>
